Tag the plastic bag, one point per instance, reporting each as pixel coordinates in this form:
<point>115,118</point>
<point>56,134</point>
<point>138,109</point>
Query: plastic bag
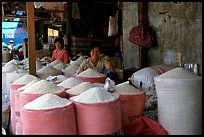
<point>144,126</point>
<point>109,85</point>
<point>51,78</point>
<point>5,110</point>
<point>38,5</point>
<point>3,131</point>
<point>75,10</point>
<point>113,25</point>
<point>146,75</point>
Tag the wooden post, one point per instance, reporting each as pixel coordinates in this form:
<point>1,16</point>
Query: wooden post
<point>68,20</point>
<point>2,12</point>
<point>31,37</point>
<point>143,19</point>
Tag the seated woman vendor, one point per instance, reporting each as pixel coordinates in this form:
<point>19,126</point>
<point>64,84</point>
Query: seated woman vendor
<point>60,53</point>
<point>96,62</point>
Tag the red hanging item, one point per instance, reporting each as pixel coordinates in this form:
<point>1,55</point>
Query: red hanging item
<point>141,35</point>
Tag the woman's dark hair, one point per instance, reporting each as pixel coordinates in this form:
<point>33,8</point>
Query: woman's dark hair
<point>60,40</point>
<point>94,44</point>
<point>25,39</point>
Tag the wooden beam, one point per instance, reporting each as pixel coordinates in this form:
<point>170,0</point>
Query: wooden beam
<point>2,13</point>
<point>50,11</point>
<point>143,19</point>
<point>8,16</point>
<point>31,38</point>
<point>143,57</point>
<point>36,10</point>
<point>22,4</point>
<point>143,12</point>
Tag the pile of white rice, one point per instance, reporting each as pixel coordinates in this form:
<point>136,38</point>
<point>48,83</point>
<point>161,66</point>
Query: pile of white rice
<point>80,60</point>
<point>60,66</point>
<point>25,79</point>
<point>126,88</point>
<point>24,60</point>
<point>90,73</point>
<point>61,78</point>
<point>38,65</point>
<point>55,62</point>
<point>179,73</point>
<point>95,95</point>
<point>71,69</point>
<point>46,71</point>
<point>98,84</point>
<point>78,89</point>
<point>18,71</point>
<point>27,85</point>
<point>47,101</point>
<point>70,82</point>
<point>42,87</point>
<point>10,68</point>
<point>14,61</point>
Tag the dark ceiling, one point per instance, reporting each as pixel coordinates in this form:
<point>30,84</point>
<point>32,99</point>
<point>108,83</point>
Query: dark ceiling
<point>11,11</point>
<point>14,10</point>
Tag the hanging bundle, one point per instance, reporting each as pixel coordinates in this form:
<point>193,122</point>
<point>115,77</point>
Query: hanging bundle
<point>75,11</point>
<point>141,35</point>
<point>113,25</point>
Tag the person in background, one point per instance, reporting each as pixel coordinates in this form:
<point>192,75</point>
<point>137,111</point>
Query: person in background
<point>11,49</point>
<point>96,62</point>
<point>11,44</point>
<point>60,53</point>
<point>25,47</point>
<point>19,54</point>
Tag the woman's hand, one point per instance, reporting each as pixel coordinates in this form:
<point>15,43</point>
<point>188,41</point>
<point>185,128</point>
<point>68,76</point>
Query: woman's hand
<point>108,66</point>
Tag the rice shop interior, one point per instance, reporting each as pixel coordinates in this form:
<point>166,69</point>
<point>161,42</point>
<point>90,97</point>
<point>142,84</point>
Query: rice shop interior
<point>101,68</point>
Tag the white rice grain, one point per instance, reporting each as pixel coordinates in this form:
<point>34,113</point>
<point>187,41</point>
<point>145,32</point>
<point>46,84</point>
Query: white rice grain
<point>47,101</point>
<point>95,95</point>
<point>42,87</point>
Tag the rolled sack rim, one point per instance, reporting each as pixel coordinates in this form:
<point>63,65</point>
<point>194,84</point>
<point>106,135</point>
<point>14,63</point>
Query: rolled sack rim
<point>18,91</point>
<point>92,79</point>
<point>71,104</point>
<point>64,88</point>
<point>13,84</point>
<point>159,80</point>
<point>124,97</point>
<point>125,94</point>
<point>96,103</point>
<point>38,94</point>
<point>71,94</point>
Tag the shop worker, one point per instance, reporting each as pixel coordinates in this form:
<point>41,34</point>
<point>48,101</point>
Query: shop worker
<point>11,44</point>
<point>60,53</point>
<point>96,62</point>
<point>25,47</point>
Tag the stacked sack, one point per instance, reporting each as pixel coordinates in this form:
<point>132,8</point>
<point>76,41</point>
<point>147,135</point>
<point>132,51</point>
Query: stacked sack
<point>144,78</point>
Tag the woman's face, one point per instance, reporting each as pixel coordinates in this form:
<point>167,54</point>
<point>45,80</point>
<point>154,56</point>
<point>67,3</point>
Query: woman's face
<point>58,45</point>
<point>95,52</point>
